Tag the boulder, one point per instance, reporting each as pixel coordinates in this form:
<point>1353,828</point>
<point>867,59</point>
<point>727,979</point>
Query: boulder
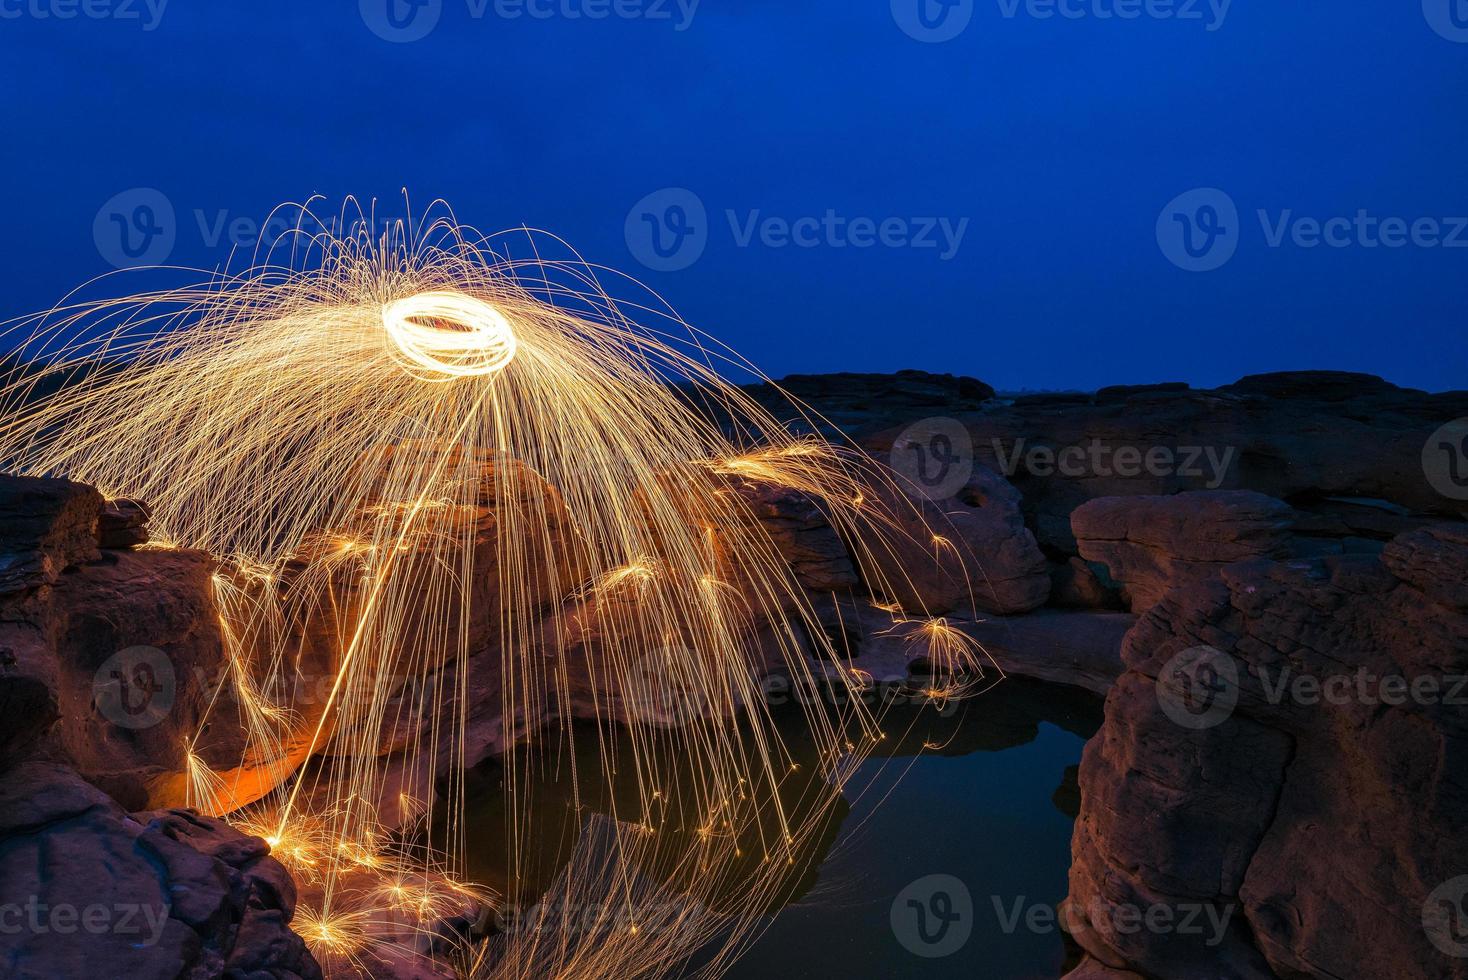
<point>99,892</point>
<point>1080,584</point>
<point>132,653</point>
<point>46,527</point>
<point>1288,750</point>
<point>970,552</point>
<point>123,523</point>
<point>108,658</point>
<point>1151,544</point>
<point>801,534</point>
<point>1078,648</point>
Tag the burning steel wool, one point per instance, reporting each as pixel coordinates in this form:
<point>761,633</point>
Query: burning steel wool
<point>464,500</point>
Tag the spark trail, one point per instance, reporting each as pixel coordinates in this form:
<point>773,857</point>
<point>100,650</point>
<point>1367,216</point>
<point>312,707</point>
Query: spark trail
<point>432,475</point>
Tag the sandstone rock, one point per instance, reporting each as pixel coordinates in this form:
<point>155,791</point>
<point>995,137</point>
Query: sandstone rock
<point>129,651</point>
<point>801,534</point>
<point>1093,969</point>
<point>1081,649</point>
<point>1152,544</point>
<point>1431,560</point>
<point>1325,386</point>
<point>46,527</point>
<point>1118,394</point>
<point>1294,436</point>
<point>1079,584</point>
<point>1322,813</point>
<point>159,895</point>
<point>907,388</point>
<point>972,551</point>
<point>105,657</point>
<point>123,523</point>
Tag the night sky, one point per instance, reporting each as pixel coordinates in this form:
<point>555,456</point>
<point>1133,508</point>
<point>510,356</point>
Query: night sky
<point>1054,196</point>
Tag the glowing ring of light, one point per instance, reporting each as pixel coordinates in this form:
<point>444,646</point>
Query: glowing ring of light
<point>478,342</point>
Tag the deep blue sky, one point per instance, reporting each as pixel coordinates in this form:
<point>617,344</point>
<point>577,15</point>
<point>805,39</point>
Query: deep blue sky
<point>1060,140</point>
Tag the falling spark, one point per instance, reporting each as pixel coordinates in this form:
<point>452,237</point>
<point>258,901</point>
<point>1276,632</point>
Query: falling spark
<point>409,449</point>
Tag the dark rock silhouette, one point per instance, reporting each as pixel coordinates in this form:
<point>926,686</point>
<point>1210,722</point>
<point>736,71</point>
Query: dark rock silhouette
<point>151,896</point>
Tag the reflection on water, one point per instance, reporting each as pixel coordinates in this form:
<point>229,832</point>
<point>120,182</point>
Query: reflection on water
<point>985,795</point>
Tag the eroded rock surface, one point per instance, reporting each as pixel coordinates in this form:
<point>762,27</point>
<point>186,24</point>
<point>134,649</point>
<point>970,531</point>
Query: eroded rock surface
<point>971,551</point>
<point>1301,437</point>
<point>97,892</point>
<point>1320,811</point>
<point>1152,544</point>
<point>107,656</point>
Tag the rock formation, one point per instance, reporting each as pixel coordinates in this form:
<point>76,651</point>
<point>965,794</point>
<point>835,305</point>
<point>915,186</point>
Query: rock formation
<point>1231,567</point>
<point>92,891</point>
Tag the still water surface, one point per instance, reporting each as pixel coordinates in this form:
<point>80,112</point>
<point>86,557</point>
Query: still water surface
<point>994,809</point>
